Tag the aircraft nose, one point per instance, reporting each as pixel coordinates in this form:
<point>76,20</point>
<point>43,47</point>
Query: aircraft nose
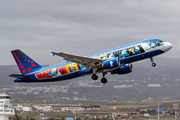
<point>168,46</point>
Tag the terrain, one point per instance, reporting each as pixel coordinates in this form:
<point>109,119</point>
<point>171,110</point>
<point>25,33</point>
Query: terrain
<point>145,83</point>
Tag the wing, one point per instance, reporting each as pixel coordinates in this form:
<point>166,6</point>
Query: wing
<point>89,63</point>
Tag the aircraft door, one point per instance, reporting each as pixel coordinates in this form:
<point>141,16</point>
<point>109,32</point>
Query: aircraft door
<point>146,47</point>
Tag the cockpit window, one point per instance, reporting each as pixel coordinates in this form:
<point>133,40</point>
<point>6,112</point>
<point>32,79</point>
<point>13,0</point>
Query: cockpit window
<point>161,41</point>
<point>155,44</point>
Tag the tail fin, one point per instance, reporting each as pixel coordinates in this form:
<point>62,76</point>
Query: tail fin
<point>25,63</point>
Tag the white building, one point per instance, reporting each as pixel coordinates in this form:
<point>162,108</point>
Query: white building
<point>73,109</point>
<point>154,85</point>
<point>19,107</point>
<point>39,108</point>
<point>26,108</point>
<point>6,108</point>
<point>47,108</point>
<point>123,86</point>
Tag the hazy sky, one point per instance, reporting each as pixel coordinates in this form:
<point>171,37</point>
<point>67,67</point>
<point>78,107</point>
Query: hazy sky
<point>81,27</point>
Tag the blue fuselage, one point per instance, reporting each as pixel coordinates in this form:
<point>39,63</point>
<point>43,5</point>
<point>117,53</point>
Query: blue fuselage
<point>126,54</point>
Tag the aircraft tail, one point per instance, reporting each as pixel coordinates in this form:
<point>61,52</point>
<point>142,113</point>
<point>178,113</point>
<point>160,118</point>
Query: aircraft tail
<point>25,63</point>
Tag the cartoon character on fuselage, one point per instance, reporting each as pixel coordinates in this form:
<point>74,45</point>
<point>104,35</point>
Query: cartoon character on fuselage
<point>111,55</point>
<point>53,73</point>
<point>137,50</point>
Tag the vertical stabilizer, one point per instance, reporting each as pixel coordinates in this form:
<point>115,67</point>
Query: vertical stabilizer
<point>25,63</point>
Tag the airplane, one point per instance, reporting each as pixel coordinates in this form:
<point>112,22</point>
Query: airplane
<point>116,61</point>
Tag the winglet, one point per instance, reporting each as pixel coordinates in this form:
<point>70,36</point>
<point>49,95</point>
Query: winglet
<point>53,53</point>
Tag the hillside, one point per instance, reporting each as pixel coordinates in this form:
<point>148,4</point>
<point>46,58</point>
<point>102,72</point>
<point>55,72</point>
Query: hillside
<point>133,86</point>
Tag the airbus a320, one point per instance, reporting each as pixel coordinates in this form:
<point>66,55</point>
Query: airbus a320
<point>116,61</point>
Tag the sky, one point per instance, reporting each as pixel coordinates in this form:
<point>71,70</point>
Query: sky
<point>38,27</point>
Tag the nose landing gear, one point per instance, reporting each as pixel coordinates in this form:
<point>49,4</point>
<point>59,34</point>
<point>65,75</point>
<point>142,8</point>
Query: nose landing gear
<point>152,60</point>
<point>154,64</point>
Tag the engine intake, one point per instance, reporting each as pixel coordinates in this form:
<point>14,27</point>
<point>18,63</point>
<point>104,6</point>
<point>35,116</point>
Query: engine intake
<point>127,68</point>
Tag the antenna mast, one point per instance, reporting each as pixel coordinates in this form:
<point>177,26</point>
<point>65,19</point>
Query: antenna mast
<point>114,109</point>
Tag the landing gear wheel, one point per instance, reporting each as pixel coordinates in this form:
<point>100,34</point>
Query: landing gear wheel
<point>94,77</point>
<point>152,60</point>
<point>154,64</point>
<point>104,80</point>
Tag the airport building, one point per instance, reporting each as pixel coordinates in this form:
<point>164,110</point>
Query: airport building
<point>6,109</point>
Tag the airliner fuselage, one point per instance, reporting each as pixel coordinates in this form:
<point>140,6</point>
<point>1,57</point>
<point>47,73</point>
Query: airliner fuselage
<point>116,61</point>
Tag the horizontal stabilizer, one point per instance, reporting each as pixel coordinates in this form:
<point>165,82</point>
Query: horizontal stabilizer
<point>20,76</point>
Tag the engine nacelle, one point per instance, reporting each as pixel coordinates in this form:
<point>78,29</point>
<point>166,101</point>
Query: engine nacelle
<point>110,63</point>
<point>123,69</point>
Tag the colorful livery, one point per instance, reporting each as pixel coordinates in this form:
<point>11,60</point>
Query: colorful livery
<point>116,61</point>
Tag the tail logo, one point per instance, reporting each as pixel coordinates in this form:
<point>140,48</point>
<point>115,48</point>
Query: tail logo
<point>21,64</point>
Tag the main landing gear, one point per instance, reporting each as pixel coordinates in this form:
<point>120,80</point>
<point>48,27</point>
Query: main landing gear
<point>94,77</point>
<point>103,80</point>
<point>152,60</point>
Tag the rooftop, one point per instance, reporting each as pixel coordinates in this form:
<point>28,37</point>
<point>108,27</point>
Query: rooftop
<point>5,96</point>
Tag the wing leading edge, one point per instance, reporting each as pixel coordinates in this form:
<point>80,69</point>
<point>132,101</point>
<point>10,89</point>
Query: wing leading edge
<point>89,63</point>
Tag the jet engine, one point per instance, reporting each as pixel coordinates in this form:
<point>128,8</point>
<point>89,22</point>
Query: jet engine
<point>110,63</point>
<point>127,68</point>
